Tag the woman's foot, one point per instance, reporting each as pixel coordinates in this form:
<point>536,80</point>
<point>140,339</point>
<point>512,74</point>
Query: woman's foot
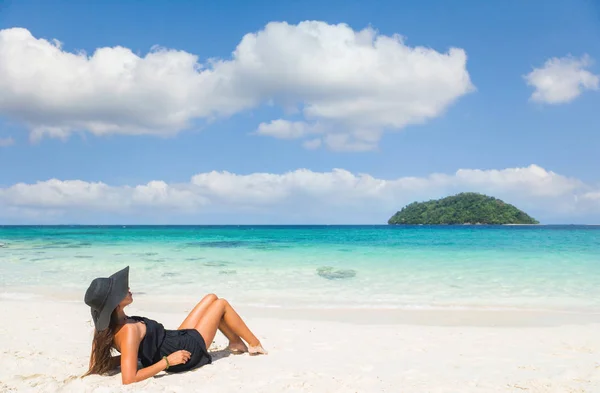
<point>257,350</point>
<point>237,348</point>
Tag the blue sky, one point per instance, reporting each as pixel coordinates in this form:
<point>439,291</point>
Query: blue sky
<point>494,127</point>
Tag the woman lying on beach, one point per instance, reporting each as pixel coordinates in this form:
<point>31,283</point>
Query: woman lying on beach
<point>158,349</point>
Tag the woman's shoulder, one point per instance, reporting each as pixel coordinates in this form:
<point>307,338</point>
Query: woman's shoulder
<point>131,331</point>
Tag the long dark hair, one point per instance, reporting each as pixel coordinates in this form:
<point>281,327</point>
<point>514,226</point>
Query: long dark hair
<point>101,357</point>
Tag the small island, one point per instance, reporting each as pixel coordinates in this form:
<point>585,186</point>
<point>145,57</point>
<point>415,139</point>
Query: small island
<point>464,208</point>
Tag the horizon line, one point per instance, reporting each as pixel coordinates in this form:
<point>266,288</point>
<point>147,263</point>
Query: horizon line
<point>297,225</point>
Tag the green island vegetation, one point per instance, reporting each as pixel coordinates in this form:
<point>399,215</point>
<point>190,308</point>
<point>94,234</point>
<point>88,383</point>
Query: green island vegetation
<point>463,208</point>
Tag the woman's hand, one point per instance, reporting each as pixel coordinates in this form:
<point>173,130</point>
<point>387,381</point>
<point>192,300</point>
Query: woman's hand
<point>179,357</point>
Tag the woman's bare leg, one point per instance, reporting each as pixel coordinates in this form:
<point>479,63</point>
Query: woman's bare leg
<point>194,316</point>
<point>190,322</point>
<point>221,310</point>
<point>236,344</point>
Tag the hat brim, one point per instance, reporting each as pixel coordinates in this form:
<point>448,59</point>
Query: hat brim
<point>119,289</point>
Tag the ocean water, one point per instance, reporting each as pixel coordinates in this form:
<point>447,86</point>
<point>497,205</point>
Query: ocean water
<point>412,267</point>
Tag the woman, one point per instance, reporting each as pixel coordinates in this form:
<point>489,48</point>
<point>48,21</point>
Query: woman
<point>140,338</point>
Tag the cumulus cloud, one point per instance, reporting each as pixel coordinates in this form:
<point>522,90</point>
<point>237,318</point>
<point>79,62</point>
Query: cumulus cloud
<point>77,194</point>
<point>352,84</point>
<point>593,196</point>
<point>284,129</point>
<point>561,80</point>
<point>335,196</point>
<point>5,142</point>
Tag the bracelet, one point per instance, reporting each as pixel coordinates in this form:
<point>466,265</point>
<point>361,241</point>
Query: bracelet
<point>166,360</point>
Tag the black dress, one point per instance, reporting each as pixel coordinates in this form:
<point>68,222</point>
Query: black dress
<point>159,342</point>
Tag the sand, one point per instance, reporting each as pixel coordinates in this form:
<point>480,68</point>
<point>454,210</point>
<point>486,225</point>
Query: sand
<point>45,348</point>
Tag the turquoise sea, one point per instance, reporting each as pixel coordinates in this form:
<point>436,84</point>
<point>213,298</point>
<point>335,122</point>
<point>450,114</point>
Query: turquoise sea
<point>413,267</point>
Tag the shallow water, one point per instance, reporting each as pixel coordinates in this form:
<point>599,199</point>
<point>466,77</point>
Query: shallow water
<point>547,267</point>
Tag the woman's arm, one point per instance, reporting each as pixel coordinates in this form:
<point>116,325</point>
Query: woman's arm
<point>129,342</point>
<point>144,373</point>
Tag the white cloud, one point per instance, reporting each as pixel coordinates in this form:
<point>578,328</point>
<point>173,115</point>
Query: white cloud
<point>354,84</point>
<point>336,196</point>
<point>77,194</point>
<point>5,142</point>
<point>532,180</point>
<point>562,80</point>
<point>160,194</point>
<point>357,140</point>
<point>61,194</point>
<point>592,196</point>
<point>284,129</point>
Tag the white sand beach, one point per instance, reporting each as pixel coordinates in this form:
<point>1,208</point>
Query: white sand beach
<point>45,348</point>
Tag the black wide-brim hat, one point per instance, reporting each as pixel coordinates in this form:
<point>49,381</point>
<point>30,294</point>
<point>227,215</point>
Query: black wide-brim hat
<point>104,295</point>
